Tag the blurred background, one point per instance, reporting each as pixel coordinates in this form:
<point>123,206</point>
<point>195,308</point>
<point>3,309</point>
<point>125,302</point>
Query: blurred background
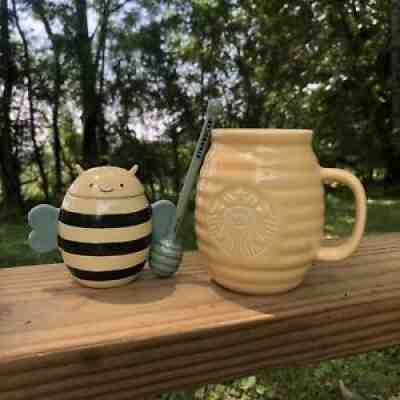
<point>119,82</point>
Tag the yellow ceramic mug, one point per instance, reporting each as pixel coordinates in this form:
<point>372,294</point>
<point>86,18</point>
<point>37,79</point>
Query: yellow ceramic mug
<point>260,209</point>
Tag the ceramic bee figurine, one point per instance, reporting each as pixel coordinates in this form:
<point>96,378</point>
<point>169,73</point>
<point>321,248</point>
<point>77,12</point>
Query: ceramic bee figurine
<point>103,228</point>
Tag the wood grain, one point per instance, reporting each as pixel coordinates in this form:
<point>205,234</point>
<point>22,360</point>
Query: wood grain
<point>65,342</point>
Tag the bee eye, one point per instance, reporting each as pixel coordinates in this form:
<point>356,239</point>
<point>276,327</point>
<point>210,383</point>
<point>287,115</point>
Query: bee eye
<point>121,184</point>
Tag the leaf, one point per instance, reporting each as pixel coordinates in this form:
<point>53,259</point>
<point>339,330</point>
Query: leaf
<point>248,383</point>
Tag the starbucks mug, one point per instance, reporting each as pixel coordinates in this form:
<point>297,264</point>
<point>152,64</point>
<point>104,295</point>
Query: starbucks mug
<point>259,214</point>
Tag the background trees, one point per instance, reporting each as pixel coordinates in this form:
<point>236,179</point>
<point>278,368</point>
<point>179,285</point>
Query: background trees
<point>10,180</point>
<point>123,81</point>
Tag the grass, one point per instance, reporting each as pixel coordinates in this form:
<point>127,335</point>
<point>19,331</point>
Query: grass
<point>14,250</point>
<point>383,215</point>
<point>374,375</point>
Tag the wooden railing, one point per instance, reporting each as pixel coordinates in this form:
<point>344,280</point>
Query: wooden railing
<point>65,342</point>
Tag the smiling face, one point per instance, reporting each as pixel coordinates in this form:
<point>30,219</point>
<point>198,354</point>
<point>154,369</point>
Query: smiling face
<point>107,182</point>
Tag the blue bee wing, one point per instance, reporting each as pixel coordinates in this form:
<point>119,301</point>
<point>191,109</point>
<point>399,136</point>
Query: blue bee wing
<point>43,219</point>
<point>163,213</point>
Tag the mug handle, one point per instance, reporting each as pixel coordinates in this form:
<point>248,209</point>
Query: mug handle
<point>342,251</point>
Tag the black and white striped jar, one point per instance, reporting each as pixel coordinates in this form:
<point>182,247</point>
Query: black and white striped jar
<point>104,229</point>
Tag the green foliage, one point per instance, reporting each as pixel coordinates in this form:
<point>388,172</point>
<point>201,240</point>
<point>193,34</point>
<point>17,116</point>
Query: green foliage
<point>321,65</point>
<point>15,250</point>
<point>383,214</point>
<point>373,376</point>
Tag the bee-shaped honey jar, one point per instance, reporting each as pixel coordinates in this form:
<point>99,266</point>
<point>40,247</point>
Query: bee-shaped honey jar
<point>103,227</point>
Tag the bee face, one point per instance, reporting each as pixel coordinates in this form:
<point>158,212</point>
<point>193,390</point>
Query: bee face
<point>107,182</point>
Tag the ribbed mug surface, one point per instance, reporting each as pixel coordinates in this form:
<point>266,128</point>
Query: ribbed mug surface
<point>259,209</point>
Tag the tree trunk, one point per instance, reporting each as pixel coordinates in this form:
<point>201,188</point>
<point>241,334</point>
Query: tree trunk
<point>89,97</point>
<point>70,167</point>
<point>9,168</point>
<point>56,131</point>
<point>396,68</point>
<point>38,8</point>
<point>100,64</point>
<point>32,124</point>
<point>393,148</point>
<point>103,144</point>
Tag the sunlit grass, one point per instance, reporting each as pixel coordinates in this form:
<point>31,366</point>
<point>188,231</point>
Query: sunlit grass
<point>383,215</point>
<point>14,249</point>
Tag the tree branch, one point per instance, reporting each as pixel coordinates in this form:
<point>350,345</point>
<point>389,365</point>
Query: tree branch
<point>32,123</point>
<point>105,17</point>
<point>37,7</point>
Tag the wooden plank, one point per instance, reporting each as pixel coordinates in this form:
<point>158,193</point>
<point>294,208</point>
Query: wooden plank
<point>62,341</point>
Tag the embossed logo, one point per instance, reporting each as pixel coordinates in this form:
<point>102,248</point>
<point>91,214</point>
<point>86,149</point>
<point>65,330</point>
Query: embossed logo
<point>242,223</point>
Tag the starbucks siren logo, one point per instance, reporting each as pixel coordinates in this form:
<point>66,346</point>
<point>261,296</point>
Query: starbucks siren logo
<point>241,223</point>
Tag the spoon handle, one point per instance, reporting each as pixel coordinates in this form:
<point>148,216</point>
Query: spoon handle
<point>213,109</point>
